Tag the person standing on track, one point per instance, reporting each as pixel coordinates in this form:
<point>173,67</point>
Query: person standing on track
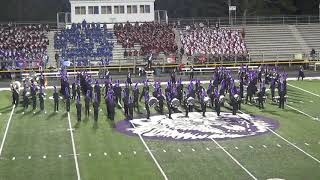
<point>56,99</point>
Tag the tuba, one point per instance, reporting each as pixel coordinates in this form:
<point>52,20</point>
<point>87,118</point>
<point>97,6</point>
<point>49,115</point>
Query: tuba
<point>153,102</point>
<point>175,103</point>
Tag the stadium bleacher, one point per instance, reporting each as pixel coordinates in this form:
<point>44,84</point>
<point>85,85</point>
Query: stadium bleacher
<point>84,44</point>
<point>23,45</point>
<point>153,37</point>
<point>218,43</point>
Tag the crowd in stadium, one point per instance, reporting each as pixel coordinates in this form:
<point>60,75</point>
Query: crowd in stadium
<point>20,45</point>
<point>153,37</point>
<point>217,42</point>
<point>85,41</point>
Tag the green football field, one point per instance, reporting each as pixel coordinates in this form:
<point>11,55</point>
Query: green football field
<point>41,146</point>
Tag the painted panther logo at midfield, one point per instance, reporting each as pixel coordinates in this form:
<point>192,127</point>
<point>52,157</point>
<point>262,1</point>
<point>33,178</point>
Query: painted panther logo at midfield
<point>196,127</point>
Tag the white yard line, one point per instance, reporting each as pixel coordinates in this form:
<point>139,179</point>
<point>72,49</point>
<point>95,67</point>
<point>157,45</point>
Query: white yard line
<point>304,90</point>
<point>313,118</point>
<point>6,131</point>
<point>74,148</point>
<point>152,156</point>
<point>234,159</point>
<point>317,160</point>
<point>284,139</point>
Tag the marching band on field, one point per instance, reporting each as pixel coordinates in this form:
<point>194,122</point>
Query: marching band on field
<point>250,87</point>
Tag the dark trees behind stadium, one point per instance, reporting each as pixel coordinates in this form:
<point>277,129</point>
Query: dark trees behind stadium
<point>45,10</point>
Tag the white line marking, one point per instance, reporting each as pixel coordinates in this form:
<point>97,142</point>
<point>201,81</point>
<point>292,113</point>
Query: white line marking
<point>74,148</point>
<point>193,150</point>
<point>278,145</point>
<point>317,160</point>
<point>311,101</point>
<point>236,147</point>
<point>179,150</point>
<point>154,159</point>
<point>208,149</point>
<point>60,156</point>
<point>294,145</point>
<point>234,159</point>
<point>307,144</point>
<point>251,147</point>
<point>264,146</point>
<point>301,102</point>
<point>134,152</point>
<point>304,90</point>
<point>105,154</point>
<point>6,131</point>
<point>164,151</point>
<point>29,157</point>
<point>13,158</point>
<point>89,154</point>
<point>316,119</point>
<point>119,153</point>
<point>44,157</point>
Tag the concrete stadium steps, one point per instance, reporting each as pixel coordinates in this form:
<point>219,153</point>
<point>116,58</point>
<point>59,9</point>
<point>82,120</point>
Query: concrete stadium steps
<point>51,50</point>
<point>311,35</point>
<point>274,42</point>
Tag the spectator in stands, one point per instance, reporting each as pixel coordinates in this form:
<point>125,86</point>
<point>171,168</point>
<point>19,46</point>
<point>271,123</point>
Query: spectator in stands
<point>153,37</point>
<point>22,45</point>
<point>225,44</point>
<point>313,54</point>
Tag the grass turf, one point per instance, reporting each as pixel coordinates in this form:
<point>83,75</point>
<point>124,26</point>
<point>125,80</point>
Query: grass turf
<point>46,135</point>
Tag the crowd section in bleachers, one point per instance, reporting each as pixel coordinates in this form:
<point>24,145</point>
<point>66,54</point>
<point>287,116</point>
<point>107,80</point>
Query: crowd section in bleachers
<point>153,37</point>
<point>23,46</point>
<point>215,43</point>
<point>84,42</point>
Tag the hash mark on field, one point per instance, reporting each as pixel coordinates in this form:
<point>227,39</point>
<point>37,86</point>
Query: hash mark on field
<point>311,101</point>
<point>179,150</point>
<point>164,150</point>
<point>29,157</point>
<point>208,149</point>
<point>251,147</point>
<point>301,102</point>
<point>119,153</point>
<point>306,144</point>
<point>236,147</point>
<point>264,146</point>
<point>105,153</point>
<point>278,145</point>
<point>13,158</point>
<point>193,150</point>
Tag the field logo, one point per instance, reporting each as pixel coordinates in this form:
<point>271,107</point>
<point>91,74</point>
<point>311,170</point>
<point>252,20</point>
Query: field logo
<point>196,127</point>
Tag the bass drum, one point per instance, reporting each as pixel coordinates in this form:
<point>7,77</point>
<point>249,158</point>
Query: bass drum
<point>153,102</point>
<point>191,101</point>
<point>175,103</point>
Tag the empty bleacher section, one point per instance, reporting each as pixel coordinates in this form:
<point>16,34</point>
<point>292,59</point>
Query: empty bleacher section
<point>214,44</point>
<point>85,45</point>
<point>23,46</point>
<point>311,35</point>
<point>274,42</point>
